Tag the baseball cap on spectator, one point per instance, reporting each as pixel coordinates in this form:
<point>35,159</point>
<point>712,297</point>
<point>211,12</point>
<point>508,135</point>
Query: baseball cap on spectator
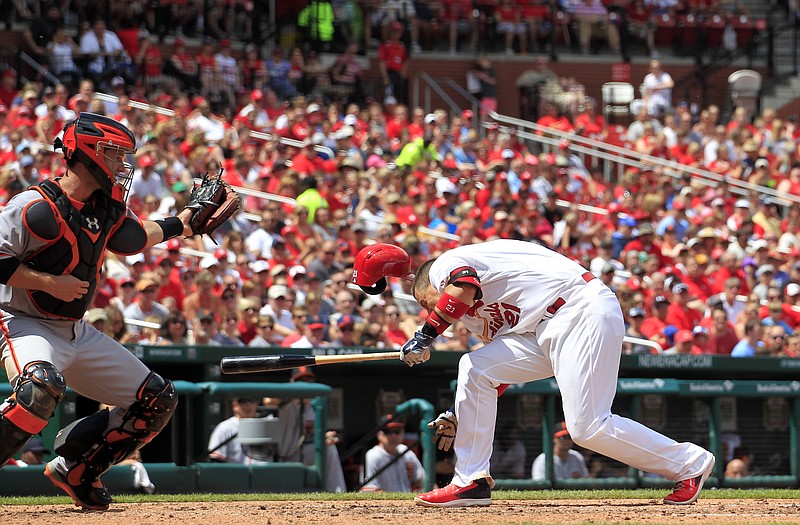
<point>145,283</point>
<point>173,245</point>
<point>315,322</point>
<point>531,160</point>
<point>678,204</point>
<point>370,303</point>
<point>500,215</point>
<point>762,163</point>
<point>701,258</point>
<point>29,93</point>
<point>707,233</point>
<point>346,320</point>
<point>608,268</point>
<point>276,291</point>
<point>661,300</point>
<point>26,161</point>
<point>699,330</point>
<point>351,162</point>
<point>396,25</point>
<point>430,118</point>
<point>135,258</point>
<point>312,108</point>
<point>96,314</point>
<point>467,114</point>
<point>117,82</point>
<point>224,43</point>
<point>758,244</point>
<point>248,303</point>
<point>394,423</point>
<point>259,266</point>
<point>634,284</point>
<point>680,288</point>
<point>350,120</point>
<point>683,336</point>
<point>749,261</point>
<point>507,153</point>
<point>179,187</point>
<point>146,160</point>
<point>636,311</point>
<point>208,261</point>
<point>206,315</point>
<point>222,253</point>
<point>411,220</point>
<point>627,221</point>
<point>205,277</point>
<point>278,269</point>
<point>296,270</point>
<point>36,445</point>
<point>445,185</point>
<point>764,269</point>
<point>126,281</point>
<point>345,132</point>
<point>256,94</point>
<point>561,430</point>
<point>644,229</point>
<point>749,146</point>
<point>792,289</point>
<point>303,374</point>
<point>742,203</point>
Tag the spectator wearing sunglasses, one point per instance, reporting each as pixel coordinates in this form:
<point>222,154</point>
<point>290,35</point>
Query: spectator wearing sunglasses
<point>404,474</point>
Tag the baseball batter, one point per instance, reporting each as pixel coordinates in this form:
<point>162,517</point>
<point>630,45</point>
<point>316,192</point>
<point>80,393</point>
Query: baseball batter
<point>541,315</point>
<point>53,239</point>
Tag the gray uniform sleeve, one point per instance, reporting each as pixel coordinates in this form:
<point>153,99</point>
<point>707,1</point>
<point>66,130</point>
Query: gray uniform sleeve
<point>16,238</point>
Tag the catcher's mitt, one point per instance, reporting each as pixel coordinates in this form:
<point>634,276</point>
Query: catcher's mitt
<point>212,203</point>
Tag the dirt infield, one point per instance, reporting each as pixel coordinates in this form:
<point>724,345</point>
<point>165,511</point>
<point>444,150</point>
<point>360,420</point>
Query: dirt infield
<point>707,511</point>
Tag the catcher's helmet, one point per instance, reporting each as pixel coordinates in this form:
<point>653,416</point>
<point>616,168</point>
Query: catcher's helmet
<point>374,263</point>
<point>100,144</point>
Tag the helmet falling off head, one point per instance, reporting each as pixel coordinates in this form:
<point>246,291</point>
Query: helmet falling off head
<point>378,261</point>
<point>100,144</point>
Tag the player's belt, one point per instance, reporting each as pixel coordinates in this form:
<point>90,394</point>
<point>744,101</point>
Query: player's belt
<point>558,303</point>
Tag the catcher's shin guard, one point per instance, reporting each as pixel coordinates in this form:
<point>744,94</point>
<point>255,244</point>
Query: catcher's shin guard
<point>36,393</point>
<point>92,444</point>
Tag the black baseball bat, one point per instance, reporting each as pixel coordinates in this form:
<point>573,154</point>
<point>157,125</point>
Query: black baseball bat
<point>268,363</point>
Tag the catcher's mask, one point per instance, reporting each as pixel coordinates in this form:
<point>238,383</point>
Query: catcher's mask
<point>378,261</point>
<point>100,144</point>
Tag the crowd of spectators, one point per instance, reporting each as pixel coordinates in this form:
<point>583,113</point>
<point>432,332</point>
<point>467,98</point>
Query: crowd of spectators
<point>677,252</point>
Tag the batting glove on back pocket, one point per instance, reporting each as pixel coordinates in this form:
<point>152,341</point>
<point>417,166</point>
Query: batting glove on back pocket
<point>444,429</point>
<point>417,350</point>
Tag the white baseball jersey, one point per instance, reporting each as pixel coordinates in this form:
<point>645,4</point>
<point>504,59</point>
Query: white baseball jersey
<point>507,305</point>
<point>542,316</point>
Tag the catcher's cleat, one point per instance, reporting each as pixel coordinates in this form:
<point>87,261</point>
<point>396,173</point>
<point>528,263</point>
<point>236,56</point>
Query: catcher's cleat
<point>476,494</point>
<point>687,491</point>
<point>87,495</point>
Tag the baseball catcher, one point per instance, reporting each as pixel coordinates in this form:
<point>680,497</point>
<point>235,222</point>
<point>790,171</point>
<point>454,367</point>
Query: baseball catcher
<point>54,239</point>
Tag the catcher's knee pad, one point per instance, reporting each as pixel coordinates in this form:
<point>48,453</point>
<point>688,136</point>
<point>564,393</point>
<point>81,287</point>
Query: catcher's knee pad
<point>98,441</point>
<point>36,393</point>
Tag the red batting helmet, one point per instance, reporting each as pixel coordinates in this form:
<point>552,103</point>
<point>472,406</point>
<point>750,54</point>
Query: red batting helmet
<point>100,144</point>
<point>374,263</point>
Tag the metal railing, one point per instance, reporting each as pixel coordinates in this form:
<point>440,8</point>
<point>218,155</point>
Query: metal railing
<point>632,158</point>
<point>431,84</point>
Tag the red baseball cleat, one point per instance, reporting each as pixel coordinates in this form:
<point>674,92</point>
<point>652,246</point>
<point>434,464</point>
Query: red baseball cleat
<point>687,491</point>
<point>476,494</point>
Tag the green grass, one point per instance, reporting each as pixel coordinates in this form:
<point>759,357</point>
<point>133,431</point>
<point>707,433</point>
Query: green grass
<point>644,494</point>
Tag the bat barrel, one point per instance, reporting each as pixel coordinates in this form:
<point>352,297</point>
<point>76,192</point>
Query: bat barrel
<point>262,363</point>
